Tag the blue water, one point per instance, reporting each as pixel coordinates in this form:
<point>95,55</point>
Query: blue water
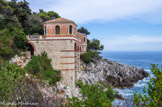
<point>139,59</point>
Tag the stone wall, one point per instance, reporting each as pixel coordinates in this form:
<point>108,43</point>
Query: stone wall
<point>64,57</point>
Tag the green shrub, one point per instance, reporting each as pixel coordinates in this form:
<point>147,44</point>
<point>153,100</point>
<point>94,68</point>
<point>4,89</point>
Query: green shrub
<point>11,43</point>
<point>88,57</point>
<point>154,96</point>
<point>15,87</point>
<point>98,95</point>
<point>40,66</point>
<point>6,50</point>
<point>20,40</point>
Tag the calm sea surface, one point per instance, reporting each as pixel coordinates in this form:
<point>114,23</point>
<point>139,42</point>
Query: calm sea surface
<point>139,59</point>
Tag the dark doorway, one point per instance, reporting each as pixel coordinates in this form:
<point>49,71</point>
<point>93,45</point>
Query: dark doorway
<point>30,48</point>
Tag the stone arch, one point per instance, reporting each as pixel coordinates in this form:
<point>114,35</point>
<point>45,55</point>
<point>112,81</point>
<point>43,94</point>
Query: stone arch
<point>31,48</point>
<point>70,29</point>
<point>75,47</point>
<point>57,29</point>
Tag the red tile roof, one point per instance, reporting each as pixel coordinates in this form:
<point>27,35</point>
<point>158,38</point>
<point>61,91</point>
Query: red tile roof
<point>60,20</point>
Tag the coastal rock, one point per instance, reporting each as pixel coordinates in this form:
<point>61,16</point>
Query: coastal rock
<point>21,60</point>
<point>111,72</point>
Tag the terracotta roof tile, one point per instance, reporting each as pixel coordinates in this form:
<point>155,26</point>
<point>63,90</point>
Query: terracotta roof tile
<point>60,20</point>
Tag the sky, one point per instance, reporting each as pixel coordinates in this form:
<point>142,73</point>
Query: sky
<point>120,25</point>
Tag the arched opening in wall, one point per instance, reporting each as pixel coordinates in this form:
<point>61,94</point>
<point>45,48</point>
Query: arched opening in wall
<point>45,30</point>
<point>70,29</point>
<point>30,48</point>
<point>84,40</point>
<point>57,29</point>
<point>75,47</point>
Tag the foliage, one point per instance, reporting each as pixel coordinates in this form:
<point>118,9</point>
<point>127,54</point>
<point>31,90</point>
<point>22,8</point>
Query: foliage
<point>88,57</point>
<point>98,95</point>
<point>84,31</point>
<point>6,50</point>
<point>15,87</point>
<point>7,19</point>
<point>35,25</point>
<point>40,66</point>
<point>22,11</point>
<point>10,41</point>
<point>18,14</point>
<point>94,45</point>
<point>20,39</point>
<point>94,49</point>
<point>47,15</point>
<point>154,97</point>
<point>16,20</point>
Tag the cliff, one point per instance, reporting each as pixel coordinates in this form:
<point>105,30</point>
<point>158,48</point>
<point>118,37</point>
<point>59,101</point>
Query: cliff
<point>110,72</point>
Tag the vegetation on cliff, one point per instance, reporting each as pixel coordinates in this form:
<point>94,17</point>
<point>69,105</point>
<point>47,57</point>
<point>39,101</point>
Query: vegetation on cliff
<point>11,42</point>
<point>16,21</point>
<point>22,84</point>
<point>15,87</point>
<point>40,66</point>
<point>153,95</point>
<point>95,95</point>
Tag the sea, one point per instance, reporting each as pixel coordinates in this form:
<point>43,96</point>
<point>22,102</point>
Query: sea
<point>139,59</point>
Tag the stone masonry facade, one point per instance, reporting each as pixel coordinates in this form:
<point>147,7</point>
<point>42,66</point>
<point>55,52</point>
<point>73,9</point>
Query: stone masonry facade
<point>63,45</point>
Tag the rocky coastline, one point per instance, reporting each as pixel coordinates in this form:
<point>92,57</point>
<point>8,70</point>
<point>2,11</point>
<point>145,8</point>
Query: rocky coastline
<point>112,73</point>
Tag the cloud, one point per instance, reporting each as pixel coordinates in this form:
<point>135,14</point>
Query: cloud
<point>133,39</point>
<point>83,11</point>
<point>134,42</point>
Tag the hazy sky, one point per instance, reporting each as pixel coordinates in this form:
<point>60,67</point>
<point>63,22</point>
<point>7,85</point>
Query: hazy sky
<point>120,25</point>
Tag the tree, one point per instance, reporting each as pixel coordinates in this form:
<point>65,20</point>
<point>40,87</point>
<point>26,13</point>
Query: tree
<point>35,25</point>
<point>7,19</point>
<point>94,45</point>
<point>23,14</point>
<point>84,31</point>
<point>154,96</point>
<point>20,40</point>
<point>47,15</point>
<point>6,50</point>
<point>11,42</point>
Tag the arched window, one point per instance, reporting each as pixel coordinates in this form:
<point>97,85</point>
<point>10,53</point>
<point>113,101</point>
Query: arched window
<point>75,47</point>
<point>70,29</point>
<point>84,39</point>
<point>45,30</point>
<point>57,29</point>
